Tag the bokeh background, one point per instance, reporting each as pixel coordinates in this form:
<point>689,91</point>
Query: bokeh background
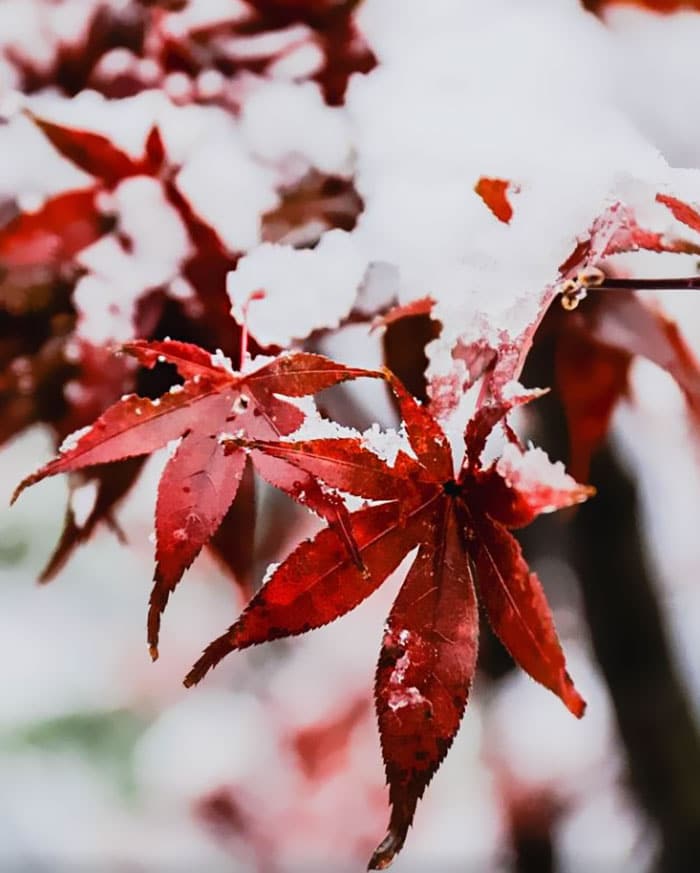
<point>272,765</point>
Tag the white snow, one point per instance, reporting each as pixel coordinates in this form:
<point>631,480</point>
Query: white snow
<point>82,501</point>
<point>117,277</point>
<point>228,188</point>
<point>304,290</point>
<point>282,120</point>
<point>533,469</point>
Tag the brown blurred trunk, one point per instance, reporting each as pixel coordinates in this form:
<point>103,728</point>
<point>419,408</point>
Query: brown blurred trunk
<point>628,635</point>
<point>631,644</point>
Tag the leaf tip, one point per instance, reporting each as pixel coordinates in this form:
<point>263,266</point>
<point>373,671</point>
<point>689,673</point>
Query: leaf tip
<point>572,699</point>
<point>25,483</point>
<point>387,850</point>
<point>153,651</point>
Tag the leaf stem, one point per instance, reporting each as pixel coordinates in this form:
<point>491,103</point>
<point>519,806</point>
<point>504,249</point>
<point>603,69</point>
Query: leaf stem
<point>689,283</point>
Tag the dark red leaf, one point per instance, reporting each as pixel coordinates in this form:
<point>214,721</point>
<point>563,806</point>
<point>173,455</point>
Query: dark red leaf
<point>487,417</point>
<point>200,481</point>
<point>425,670</point>
<point>429,648</point>
<point>425,435</point>
<point>595,347</point>
<point>346,465</point>
<point>665,7</point>
<point>155,152</point>
<point>513,500</point>
<point>192,362</point>
<point>681,211</point>
<point>517,608</point>
<point>92,152</point>
<point>306,490</point>
<point>302,373</point>
<point>317,583</point>
<point>195,492</point>
<point>422,306</point>
<point>133,426</point>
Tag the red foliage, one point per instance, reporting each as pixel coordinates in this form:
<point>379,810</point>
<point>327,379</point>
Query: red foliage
<point>661,6</point>
<point>209,46</point>
<point>455,523</point>
<point>201,479</point>
<point>459,524</point>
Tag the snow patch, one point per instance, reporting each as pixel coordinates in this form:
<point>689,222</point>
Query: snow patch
<point>304,289</point>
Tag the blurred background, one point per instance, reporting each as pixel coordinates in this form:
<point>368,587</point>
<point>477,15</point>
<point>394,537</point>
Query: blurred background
<point>273,764</point>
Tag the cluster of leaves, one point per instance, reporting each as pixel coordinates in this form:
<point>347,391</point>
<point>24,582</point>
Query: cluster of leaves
<point>458,521</point>
<point>152,43</point>
<point>110,412</point>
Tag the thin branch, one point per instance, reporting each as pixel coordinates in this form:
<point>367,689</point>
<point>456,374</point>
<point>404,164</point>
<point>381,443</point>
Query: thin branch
<point>688,283</point>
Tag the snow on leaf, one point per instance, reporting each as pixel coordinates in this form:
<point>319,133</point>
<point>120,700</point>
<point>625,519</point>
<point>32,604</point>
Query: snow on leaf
<point>517,609</point>
<point>519,486</point>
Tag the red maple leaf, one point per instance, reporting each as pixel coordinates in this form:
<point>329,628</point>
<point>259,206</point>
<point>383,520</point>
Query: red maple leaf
<point>202,477</point>
<point>459,523</point>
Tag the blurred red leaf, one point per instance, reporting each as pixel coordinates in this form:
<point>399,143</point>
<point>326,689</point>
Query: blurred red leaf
<point>682,211</point>
<point>91,152</point>
<point>494,193</point>
<point>112,483</point>
<point>44,240</point>
<point>98,156</point>
<point>661,6</point>
<point>595,347</point>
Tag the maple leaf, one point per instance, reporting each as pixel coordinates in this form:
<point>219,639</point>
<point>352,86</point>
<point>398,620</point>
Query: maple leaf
<point>202,477</point>
<point>459,523</point>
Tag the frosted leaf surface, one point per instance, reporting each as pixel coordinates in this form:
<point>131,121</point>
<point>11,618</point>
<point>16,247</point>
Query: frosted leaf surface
<point>533,470</point>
